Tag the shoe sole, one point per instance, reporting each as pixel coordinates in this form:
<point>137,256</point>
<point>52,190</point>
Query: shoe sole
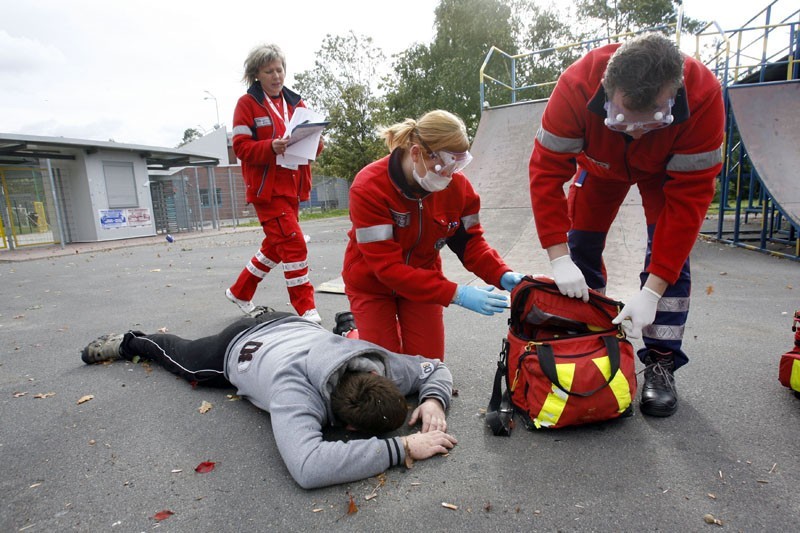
<point>660,412</point>
<point>232,299</point>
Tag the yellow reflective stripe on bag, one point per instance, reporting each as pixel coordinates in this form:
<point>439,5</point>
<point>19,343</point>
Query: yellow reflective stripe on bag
<point>556,400</point>
<point>618,385</point>
<point>794,380</point>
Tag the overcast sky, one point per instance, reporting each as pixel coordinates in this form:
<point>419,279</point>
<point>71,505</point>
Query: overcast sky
<point>136,71</point>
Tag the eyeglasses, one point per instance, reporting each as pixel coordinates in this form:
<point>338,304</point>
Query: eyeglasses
<point>448,162</point>
<point>615,118</point>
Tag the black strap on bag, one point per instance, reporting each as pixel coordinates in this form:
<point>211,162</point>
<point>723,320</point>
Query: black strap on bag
<point>500,411</point>
<point>547,362</point>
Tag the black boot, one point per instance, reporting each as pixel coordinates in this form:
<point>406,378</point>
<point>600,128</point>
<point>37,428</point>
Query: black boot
<point>659,397</point>
<point>344,323</point>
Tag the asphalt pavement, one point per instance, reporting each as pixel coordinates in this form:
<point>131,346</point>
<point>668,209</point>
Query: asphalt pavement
<point>112,462</point>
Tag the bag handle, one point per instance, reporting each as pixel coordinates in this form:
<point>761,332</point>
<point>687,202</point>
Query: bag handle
<point>500,412</point>
<point>547,362</point>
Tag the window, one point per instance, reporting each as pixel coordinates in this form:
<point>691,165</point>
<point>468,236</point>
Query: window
<point>205,199</point>
<point>120,185</point>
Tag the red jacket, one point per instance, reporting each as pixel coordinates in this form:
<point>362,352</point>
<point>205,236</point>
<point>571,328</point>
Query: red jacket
<point>687,154</point>
<point>255,125</point>
<point>396,237</point>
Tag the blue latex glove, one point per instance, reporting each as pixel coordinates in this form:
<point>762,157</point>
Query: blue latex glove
<point>509,280</point>
<point>481,300</point>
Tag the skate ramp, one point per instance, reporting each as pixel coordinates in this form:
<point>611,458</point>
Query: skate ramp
<point>766,115</point>
<point>501,151</point>
<point>499,172</point>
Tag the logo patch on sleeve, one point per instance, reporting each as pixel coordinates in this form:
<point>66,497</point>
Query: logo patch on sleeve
<point>263,121</point>
<point>401,220</point>
<point>425,369</point>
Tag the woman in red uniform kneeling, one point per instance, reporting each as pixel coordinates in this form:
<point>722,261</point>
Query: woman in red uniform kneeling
<point>406,207</point>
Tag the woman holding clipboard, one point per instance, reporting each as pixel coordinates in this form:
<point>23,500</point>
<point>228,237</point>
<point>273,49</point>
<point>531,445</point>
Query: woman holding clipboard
<point>274,187</point>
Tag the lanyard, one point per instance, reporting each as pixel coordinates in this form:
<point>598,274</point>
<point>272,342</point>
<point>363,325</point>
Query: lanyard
<point>275,109</point>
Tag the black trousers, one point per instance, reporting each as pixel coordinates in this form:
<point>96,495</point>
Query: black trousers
<point>201,360</point>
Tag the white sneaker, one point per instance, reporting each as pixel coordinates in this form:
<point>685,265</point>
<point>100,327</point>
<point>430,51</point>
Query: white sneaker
<point>246,307</point>
<point>313,316</point>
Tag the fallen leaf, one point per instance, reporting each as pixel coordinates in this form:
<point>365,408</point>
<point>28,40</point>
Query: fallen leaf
<point>455,392</point>
<point>381,483</point>
<point>163,515</point>
<point>44,395</point>
<point>155,270</point>
<point>450,506</point>
<point>205,407</point>
<point>19,394</point>
<point>317,510</point>
<point>710,289</point>
<point>233,397</point>
<point>709,519</point>
<point>135,359</point>
<point>86,398</point>
<point>712,496</point>
<point>92,442</point>
<point>352,508</point>
<point>162,330</point>
<point>205,467</point>
<point>34,485</point>
<point>488,507</point>
<point>176,471</point>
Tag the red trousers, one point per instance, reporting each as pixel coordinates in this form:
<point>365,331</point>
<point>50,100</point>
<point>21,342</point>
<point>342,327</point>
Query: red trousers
<point>399,325</point>
<point>285,243</point>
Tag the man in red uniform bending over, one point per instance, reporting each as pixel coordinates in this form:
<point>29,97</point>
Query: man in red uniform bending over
<point>638,113</point>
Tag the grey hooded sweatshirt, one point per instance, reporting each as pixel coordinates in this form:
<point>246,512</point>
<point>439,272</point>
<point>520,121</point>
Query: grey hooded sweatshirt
<point>289,368</point>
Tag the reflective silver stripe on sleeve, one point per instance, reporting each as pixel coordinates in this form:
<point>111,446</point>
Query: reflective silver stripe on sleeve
<point>692,162</point>
<point>673,305</point>
<point>374,234</point>
<point>242,130</point>
<point>559,144</point>
<point>470,220</point>
<point>662,332</point>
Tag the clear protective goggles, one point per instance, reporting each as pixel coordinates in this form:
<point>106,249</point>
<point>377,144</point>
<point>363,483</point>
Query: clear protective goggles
<point>616,120</point>
<point>450,163</point>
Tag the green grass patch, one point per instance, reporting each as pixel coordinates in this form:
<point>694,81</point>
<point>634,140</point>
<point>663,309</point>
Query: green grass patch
<point>308,215</point>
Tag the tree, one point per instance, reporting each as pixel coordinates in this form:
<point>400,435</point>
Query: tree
<point>613,17</point>
<point>445,74</point>
<point>343,85</point>
<point>189,135</point>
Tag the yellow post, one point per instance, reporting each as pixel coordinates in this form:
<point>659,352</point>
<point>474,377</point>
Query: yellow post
<point>41,217</point>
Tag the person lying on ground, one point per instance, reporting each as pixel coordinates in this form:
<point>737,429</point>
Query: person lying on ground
<point>308,378</point>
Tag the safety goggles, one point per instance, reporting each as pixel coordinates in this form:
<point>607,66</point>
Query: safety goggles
<point>449,162</point>
<point>616,120</point>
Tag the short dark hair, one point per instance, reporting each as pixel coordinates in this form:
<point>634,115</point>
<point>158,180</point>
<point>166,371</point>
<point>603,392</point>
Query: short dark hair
<point>641,68</point>
<point>369,402</point>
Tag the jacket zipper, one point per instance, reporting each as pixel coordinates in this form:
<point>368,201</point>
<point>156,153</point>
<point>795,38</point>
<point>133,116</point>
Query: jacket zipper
<point>266,165</point>
<point>628,141</point>
<point>419,232</point>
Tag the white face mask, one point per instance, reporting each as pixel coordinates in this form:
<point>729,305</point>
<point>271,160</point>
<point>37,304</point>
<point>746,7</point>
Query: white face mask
<point>431,182</point>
